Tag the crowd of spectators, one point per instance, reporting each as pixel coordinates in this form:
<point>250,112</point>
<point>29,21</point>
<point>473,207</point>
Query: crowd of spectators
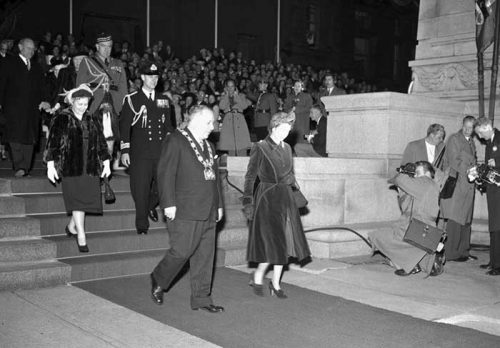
<point>199,78</point>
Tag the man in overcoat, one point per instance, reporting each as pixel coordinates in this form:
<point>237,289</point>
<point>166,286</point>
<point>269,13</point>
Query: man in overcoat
<point>144,123</point>
<point>299,102</point>
<point>191,197</point>
<point>21,95</point>
<point>460,155</point>
<point>484,130</point>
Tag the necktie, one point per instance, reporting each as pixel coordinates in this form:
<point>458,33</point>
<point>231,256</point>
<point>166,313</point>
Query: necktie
<point>151,96</point>
<point>106,61</point>
<point>28,64</point>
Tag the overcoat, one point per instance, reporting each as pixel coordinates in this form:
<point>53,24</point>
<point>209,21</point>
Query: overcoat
<point>65,145</point>
<point>21,91</point>
<point>493,191</point>
<point>234,134</point>
<point>266,106</point>
<point>460,155</point>
<point>276,231</point>
<point>424,193</point>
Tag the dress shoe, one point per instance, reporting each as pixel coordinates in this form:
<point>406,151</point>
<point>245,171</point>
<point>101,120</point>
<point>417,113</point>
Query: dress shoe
<point>258,289</point>
<point>20,173</point>
<point>493,271</point>
<point>472,257</point>
<point>275,292</point>
<point>153,215</point>
<point>82,248</point>
<point>485,266</point>
<point>210,308</point>
<point>142,231</point>
<point>461,259</point>
<point>402,273</point>
<point>156,291</point>
<point>68,232</point>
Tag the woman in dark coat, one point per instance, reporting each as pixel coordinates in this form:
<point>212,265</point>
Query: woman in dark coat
<point>77,152</point>
<point>276,229</point>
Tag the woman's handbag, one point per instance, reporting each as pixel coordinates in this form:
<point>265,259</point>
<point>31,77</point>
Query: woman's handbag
<point>109,195</point>
<point>299,198</point>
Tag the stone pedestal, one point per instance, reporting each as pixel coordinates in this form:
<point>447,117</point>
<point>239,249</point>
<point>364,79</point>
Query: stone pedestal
<point>445,64</point>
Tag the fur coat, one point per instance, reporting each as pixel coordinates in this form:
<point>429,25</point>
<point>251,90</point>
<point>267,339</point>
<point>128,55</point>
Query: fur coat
<point>65,145</point>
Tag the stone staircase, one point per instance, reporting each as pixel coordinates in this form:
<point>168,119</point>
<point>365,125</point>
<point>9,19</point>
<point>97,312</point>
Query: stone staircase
<point>35,251</point>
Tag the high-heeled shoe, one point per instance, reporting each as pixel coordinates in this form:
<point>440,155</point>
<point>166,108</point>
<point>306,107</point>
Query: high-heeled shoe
<point>68,232</point>
<point>278,293</point>
<point>258,289</point>
<point>82,248</point>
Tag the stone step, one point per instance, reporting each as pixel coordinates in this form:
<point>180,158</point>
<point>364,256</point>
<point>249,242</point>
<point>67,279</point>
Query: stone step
<point>11,206</point>
<point>112,242</point>
<point>232,235</point>
<point>42,184</point>
<point>29,275</point>
<point>336,243</point>
<point>232,254</point>
<point>26,249</point>
<point>40,203</point>
<point>233,217</point>
<point>37,163</point>
<point>16,227</point>
<point>35,172</point>
<point>54,223</point>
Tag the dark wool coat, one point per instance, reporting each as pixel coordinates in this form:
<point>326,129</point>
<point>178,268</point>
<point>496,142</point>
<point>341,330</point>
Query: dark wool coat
<point>276,230</point>
<point>65,145</point>
<point>493,191</point>
<point>21,91</point>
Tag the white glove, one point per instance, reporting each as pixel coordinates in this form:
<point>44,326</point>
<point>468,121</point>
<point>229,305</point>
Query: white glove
<point>472,174</point>
<point>106,170</point>
<point>52,172</point>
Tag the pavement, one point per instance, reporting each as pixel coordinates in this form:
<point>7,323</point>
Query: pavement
<point>66,316</point>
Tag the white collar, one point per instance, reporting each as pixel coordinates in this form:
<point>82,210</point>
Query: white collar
<point>146,93</point>
<point>25,60</point>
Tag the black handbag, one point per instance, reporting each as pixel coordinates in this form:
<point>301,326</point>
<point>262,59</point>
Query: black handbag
<point>422,235</point>
<point>109,195</point>
<point>299,198</point>
<point>448,188</point>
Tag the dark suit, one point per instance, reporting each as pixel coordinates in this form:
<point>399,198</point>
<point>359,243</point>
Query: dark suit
<point>326,93</point>
<point>493,198</point>
<point>20,96</point>
<point>417,151</point>
<point>317,148</point>
<point>182,184</point>
<point>143,142</point>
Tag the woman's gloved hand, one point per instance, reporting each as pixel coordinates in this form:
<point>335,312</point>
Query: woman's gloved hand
<point>52,172</point>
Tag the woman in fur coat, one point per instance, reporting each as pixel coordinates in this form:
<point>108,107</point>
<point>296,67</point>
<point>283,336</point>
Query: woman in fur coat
<point>76,152</point>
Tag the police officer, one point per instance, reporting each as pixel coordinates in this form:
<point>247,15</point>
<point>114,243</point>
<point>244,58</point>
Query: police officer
<point>144,123</point>
<point>107,78</point>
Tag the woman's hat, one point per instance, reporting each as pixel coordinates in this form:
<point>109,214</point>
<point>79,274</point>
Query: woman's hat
<point>81,91</point>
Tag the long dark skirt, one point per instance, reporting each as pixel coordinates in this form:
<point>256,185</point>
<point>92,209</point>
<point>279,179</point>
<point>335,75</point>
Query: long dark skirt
<point>82,193</point>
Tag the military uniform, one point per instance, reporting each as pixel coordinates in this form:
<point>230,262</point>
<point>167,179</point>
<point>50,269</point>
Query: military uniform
<point>266,106</point>
<point>101,78</point>
<point>144,123</point>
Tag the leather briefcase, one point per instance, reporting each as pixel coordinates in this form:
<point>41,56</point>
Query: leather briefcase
<point>423,236</point>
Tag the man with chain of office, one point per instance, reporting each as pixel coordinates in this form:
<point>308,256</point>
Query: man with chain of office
<point>107,79</point>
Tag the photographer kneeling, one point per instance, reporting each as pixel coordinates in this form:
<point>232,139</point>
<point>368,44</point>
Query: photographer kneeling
<point>419,198</point>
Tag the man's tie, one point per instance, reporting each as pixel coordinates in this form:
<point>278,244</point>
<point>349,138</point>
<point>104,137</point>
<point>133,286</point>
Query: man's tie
<point>28,64</point>
<point>106,62</point>
<point>151,96</point>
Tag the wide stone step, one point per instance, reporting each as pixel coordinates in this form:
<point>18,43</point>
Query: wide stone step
<point>112,242</point>
<point>42,184</point>
<point>16,227</point>
<point>233,216</point>
<point>53,202</point>
<point>54,224</point>
<point>26,250</point>
<point>11,206</point>
<point>37,163</point>
<point>231,254</point>
<point>29,275</point>
<point>9,173</point>
<point>230,235</point>
<point>339,242</point>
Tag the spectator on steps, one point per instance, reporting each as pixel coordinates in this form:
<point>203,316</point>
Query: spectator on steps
<point>76,151</point>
